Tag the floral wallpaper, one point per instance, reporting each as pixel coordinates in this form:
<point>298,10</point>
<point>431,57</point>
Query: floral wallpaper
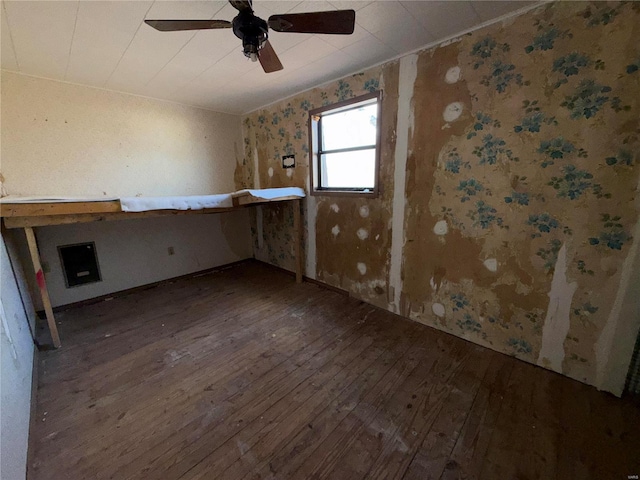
<point>521,176</point>
<point>283,130</point>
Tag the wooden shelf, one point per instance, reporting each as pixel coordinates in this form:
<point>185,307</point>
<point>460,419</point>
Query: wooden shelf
<point>40,214</point>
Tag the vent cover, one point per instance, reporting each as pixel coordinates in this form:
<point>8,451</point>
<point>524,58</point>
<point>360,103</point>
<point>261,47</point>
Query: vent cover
<point>79,263</point>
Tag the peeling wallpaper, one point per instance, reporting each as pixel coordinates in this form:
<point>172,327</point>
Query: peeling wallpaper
<point>509,174</point>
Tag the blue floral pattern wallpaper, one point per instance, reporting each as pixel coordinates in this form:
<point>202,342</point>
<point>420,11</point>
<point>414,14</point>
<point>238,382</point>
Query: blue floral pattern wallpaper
<point>519,211</point>
<point>282,130</point>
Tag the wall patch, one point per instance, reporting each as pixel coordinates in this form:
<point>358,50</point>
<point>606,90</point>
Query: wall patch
<point>557,321</point>
<point>441,227</point>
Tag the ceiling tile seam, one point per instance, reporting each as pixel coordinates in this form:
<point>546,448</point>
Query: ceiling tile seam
<point>181,48</point>
<point>478,18</point>
<point>475,11</point>
<point>306,66</point>
<point>417,20</point>
<point>203,72</point>
<point>73,35</point>
<point>120,92</point>
<point>222,58</point>
<point>280,52</point>
<point>361,7</point>
<point>233,80</point>
<point>393,49</point>
<point>425,26</point>
<point>358,23</point>
<point>13,45</point>
<point>435,44</point>
<point>351,55</point>
<point>294,6</point>
<point>171,59</point>
<point>335,49</point>
<point>128,45</point>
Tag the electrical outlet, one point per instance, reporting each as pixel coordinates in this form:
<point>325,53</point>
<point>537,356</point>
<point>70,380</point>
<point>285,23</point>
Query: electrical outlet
<point>171,250</point>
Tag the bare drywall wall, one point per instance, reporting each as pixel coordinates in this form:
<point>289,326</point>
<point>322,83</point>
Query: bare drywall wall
<point>516,152</point>
<point>136,252</point>
<point>16,367</point>
<point>61,139</point>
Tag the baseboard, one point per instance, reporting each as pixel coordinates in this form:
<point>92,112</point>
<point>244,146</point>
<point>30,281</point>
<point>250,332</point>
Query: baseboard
<point>128,291</point>
<point>305,278</point>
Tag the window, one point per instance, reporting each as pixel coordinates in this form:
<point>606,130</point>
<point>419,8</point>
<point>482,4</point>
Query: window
<point>345,146</point>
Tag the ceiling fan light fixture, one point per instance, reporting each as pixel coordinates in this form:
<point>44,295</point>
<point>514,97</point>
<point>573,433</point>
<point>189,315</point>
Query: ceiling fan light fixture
<point>251,30</point>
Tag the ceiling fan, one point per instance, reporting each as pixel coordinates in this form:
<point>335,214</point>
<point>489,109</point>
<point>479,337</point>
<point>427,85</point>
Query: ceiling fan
<point>254,31</point>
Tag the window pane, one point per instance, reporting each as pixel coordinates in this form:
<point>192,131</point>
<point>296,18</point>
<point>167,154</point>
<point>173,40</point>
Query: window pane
<point>352,128</point>
<point>349,169</point>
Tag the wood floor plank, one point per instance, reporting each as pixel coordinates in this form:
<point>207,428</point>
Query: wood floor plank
<point>150,327</point>
<point>398,339</point>
<point>432,457</point>
<point>225,404</point>
<point>287,457</point>
<point>177,378</point>
<point>599,437</point>
<point>393,429</point>
<point>118,375</point>
<point>244,374</point>
<point>186,455</point>
<point>255,441</point>
<point>510,445</point>
<point>545,425</point>
<point>327,456</point>
<point>468,454</point>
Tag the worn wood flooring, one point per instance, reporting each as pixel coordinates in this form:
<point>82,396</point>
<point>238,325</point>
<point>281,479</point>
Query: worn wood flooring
<point>242,374</point>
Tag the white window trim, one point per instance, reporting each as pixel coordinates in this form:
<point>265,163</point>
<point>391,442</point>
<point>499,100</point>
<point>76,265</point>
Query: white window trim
<point>314,137</point>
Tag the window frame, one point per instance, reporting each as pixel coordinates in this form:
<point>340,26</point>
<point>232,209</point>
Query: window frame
<point>315,147</point>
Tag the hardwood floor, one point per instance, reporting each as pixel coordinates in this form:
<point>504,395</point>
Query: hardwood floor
<point>242,374</point>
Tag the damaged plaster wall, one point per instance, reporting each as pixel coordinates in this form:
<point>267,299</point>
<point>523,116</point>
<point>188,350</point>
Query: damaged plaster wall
<point>510,162</point>
<point>70,140</point>
<point>358,228</point>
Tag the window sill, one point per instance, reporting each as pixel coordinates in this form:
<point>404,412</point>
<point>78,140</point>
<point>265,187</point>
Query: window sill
<point>345,193</point>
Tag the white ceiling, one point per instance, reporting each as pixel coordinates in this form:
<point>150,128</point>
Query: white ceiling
<point>106,44</point>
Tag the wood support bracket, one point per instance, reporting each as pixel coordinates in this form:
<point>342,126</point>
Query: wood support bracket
<point>42,285</point>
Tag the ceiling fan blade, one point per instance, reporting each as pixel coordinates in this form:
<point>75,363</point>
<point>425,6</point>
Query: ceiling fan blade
<point>269,59</point>
<point>178,25</point>
<point>241,5</point>
<point>338,22</point>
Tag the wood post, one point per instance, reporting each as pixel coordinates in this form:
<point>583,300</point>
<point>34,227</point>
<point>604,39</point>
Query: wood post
<point>42,285</point>
<point>297,228</point>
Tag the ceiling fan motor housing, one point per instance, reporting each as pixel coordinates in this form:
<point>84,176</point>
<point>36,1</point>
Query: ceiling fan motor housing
<point>253,32</point>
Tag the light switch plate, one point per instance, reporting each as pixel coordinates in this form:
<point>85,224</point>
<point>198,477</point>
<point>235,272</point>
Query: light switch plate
<point>289,161</point>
